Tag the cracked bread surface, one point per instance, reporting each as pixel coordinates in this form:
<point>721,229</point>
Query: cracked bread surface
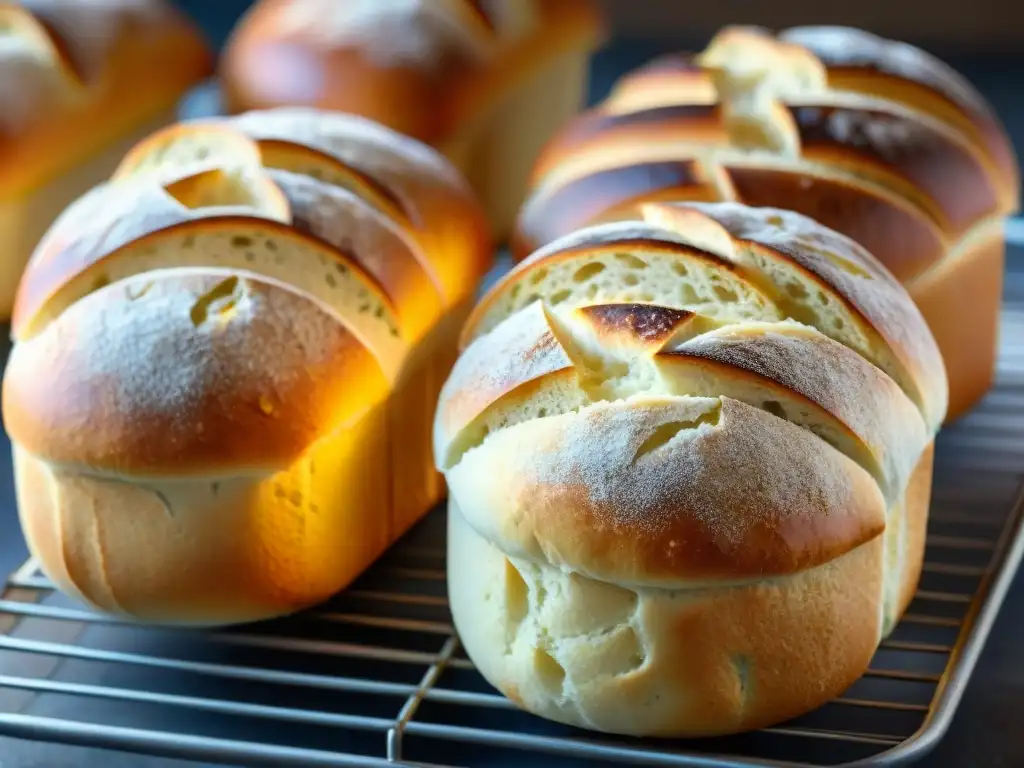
<point>665,520</point>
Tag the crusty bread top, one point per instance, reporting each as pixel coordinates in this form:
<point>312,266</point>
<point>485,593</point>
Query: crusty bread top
<point>857,60</point>
<point>422,67</point>
<point>399,212</point>
<point>762,264</point>
<point>440,209</point>
<point>713,392</point>
<point>75,76</point>
<point>871,150</point>
<point>214,362</point>
<point>381,249</point>
<point>836,58</point>
<point>667,492</point>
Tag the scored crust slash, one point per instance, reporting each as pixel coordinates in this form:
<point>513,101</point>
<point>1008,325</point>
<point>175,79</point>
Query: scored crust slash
<point>234,347</point>
<point>486,83</point>
<point>873,138</point>
<point>689,464</point>
<point>80,83</point>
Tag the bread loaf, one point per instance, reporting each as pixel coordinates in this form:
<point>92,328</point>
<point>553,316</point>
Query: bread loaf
<point>227,360</point>
<point>79,83</point>
<point>689,463</point>
<point>485,81</point>
<point>873,138</point>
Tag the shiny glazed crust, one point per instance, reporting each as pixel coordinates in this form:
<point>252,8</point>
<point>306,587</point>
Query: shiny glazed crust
<point>873,138</point>
<point>230,353</point>
<point>689,464</point>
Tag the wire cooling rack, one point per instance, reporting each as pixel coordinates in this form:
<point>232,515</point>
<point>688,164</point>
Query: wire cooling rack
<point>377,676</point>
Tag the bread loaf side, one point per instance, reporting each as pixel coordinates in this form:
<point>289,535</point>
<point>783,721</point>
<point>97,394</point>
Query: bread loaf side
<point>79,84</point>
<point>873,138</point>
<point>486,83</point>
<point>689,463</point>
<point>226,362</point>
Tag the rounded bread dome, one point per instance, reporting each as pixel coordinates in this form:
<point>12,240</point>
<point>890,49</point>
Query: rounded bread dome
<point>873,138</point>
<point>422,67</point>
<point>486,82</point>
<point>213,350</point>
<point>689,462</point>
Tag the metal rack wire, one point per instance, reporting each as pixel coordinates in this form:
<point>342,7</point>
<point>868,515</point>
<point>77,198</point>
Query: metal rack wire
<point>377,676</point>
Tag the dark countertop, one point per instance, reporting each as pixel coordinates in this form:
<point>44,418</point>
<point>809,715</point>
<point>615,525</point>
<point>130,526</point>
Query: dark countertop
<point>985,732</point>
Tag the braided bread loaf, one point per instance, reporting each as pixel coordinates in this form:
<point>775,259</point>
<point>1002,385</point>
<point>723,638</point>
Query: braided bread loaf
<point>79,84</point>
<point>875,139</point>
<point>689,464</point>
<point>485,81</point>
<point>227,360</point>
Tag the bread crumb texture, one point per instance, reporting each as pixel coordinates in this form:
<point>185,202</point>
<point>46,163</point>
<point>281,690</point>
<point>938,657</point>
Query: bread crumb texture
<point>683,457</point>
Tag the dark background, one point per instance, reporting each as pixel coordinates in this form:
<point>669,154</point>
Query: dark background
<point>982,38</point>
<point>975,26</point>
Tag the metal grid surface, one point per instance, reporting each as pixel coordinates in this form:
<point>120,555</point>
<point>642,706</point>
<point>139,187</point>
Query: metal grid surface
<point>377,676</point>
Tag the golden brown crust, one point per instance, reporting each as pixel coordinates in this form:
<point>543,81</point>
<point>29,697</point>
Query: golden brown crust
<point>605,159</point>
<point>865,63</point>
<point>403,179</point>
<point>904,238</point>
<point>371,240</point>
<point>554,211</point>
<point>870,137</point>
<point>916,502</point>
<point>211,551</point>
<point>820,375</point>
<point>108,389</point>
<point>904,152</point>
<point>952,297</point>
<point>199,195</point>
<point>444,216</point>
<point>680,506</point>
<point>802,267</point>
<point>49,287</point>
<point>511,357</point>
<point>598,129</point>
<point>227,360</point>
<point>437,238</point>
<point>671,77</point>
<point>76,77</point>
<point>849,272</point>
<point>421,70</point>
<point>738,493</point>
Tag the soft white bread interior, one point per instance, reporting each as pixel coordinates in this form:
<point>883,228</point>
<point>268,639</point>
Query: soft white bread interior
<point>871,137</point>
<point>689,464</point>
<point>79,84</point>
<point>487,83</point>
<point>227,360</point>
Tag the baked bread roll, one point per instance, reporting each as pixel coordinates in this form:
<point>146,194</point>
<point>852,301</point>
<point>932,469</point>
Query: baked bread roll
<point>873,138</point>
<point>485,81</point>
<point>689,463</point>
<point>79,84</point>
<point>227,360</point>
